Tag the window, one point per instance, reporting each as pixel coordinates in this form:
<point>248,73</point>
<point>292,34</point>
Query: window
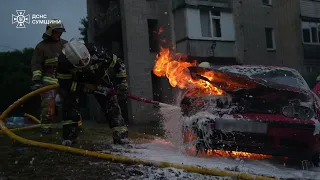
<point>309,69</point>
<point>270,39</point>
<point>153,35</point>
<point>267,2</point>
<point>311,32</point>
<point>210,23</point>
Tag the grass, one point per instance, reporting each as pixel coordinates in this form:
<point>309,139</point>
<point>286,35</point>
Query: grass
<point>18,161</point>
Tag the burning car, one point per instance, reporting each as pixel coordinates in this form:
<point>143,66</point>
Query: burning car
<point>259,109</point>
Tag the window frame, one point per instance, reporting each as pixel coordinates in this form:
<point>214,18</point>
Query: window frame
<point>267,4</point>
<point>153,38</point>
<point>211,17</point>
<point>311,25</point>
<point>309,69</point>
<point>273,39</point>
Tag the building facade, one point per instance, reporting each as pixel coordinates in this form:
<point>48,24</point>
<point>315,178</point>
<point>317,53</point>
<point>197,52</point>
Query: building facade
<point>310,22</point>
<point>129,28</point>
<point>205,33</point>
<point>268,32</point>
<point>223,32</point>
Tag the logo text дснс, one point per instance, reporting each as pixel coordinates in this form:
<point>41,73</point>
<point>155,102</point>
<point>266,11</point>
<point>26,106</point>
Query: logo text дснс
<point>21,18</point>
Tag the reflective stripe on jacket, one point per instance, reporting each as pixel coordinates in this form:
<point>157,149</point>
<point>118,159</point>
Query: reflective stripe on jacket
<point>45,60</point>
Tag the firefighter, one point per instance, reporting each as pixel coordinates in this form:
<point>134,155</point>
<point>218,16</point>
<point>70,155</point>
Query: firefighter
<point>43,65</point>
<point>85,68</point>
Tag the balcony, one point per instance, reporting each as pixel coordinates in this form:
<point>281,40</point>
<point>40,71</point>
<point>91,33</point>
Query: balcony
<point>224,4</point>
<point>201,48</point>
<point>311,54</point>
<point>105,20</point>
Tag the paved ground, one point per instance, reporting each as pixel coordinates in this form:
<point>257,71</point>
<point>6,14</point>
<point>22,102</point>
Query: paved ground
<point>23,162</point>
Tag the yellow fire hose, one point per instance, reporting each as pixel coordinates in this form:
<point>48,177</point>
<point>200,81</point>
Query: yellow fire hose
<point>32,118</point>
<point>111,157</point>
<point>28,127</point>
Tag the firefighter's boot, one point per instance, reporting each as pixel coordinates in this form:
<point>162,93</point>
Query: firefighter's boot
<point>120,137</point>
<point>70,133</point>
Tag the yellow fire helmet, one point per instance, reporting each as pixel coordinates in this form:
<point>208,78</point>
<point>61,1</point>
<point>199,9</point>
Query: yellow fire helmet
<point>56,25</point>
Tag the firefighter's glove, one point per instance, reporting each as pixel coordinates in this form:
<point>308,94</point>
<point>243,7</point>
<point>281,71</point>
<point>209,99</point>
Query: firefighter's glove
<point>36,85</point>
<point>122,91</point>
<point>89,88</point>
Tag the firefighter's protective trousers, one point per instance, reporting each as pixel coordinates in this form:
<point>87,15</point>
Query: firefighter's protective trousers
<point>72,118</point>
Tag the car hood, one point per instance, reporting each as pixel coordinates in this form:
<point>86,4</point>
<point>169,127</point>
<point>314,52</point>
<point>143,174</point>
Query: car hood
<point>237,84</point>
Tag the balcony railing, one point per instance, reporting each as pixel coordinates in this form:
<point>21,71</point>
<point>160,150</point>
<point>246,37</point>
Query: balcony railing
<point>106,19</point>
<point>214,3</point>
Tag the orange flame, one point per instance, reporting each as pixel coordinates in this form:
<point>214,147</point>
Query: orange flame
<point>176,70</point>
<point>161,30</point>
<point>189,137</point>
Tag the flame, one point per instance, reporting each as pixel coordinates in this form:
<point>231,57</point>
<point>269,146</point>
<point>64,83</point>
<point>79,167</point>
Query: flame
<point>159,31</point>
<point>176,70</point>
<point>189,137</point>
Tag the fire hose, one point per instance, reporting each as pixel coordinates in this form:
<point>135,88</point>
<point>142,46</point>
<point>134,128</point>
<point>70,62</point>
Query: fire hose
<point>112,157</point>
<point>105,91</point>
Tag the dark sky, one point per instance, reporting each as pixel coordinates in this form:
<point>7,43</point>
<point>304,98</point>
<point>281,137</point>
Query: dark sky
<point>69,11</point>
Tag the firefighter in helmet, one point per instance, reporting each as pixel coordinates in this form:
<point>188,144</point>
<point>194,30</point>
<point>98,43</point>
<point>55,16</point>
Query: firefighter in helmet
<point>88,68</point>
<point>43,65</point>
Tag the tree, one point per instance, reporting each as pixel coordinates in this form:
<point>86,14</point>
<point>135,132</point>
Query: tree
<point>15,79</point>
<point>84,29</point>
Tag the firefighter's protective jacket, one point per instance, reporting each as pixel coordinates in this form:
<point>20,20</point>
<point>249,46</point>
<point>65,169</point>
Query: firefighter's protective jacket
<point>103,70</point>
<point>45,61</point>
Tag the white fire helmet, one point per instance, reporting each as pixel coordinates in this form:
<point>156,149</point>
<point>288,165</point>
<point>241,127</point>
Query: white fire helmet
<point>318,78</point>
<point>204,65</point>
<point>77,53</point>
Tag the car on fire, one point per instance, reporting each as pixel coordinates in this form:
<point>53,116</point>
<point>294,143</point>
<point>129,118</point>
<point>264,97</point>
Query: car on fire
<point>263,110</point>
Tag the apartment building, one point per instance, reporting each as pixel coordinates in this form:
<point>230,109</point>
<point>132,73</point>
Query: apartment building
<point>223,32</point>
<point>291,31</point>
<point>269,33</point>
<point>205,30</point>
<point>310,23</point>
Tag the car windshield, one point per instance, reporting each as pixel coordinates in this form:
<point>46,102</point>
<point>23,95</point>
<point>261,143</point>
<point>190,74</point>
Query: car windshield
<point>282,77</point>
